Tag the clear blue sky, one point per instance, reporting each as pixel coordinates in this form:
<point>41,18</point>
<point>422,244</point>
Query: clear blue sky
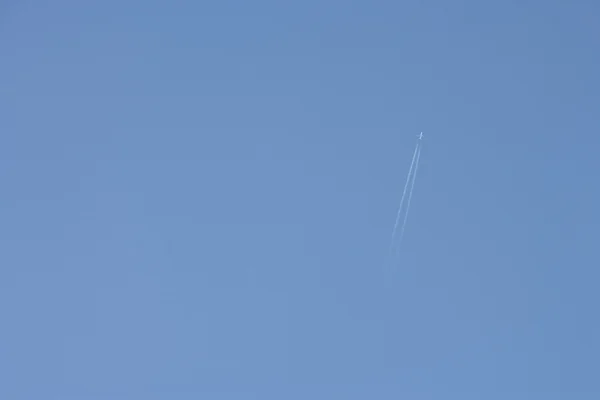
<point>197,198</point>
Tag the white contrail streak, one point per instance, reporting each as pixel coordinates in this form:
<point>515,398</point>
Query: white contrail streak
<point>412,186</point>
<point>403,196</point>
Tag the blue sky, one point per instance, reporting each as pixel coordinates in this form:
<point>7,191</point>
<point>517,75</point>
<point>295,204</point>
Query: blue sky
<point>197,199</point>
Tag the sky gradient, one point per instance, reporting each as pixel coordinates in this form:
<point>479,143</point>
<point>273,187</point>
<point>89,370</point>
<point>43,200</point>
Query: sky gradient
<point>198,197</point>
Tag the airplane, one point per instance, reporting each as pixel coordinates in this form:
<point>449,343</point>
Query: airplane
<point>421,136</point>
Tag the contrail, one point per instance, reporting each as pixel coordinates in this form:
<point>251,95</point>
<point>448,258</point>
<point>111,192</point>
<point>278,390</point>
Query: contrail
<point>412,186</point>
<point>403,196</point>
